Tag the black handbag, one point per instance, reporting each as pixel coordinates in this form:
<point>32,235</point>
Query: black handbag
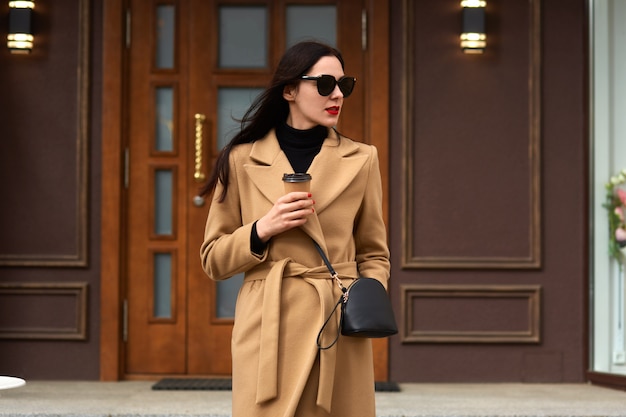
<point>365,308</point>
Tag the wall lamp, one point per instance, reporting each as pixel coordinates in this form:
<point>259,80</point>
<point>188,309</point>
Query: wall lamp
<point>20,37</point>
<point>473,38</point>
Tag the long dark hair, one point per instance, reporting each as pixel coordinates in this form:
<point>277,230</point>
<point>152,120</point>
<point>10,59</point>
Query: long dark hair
<point>270,108</point>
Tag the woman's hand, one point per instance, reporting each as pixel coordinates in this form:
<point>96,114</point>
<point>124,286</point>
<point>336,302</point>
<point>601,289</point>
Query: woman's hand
<point>289,211</point>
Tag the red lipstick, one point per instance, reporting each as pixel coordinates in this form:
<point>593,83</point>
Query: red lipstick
<point>333,110</point>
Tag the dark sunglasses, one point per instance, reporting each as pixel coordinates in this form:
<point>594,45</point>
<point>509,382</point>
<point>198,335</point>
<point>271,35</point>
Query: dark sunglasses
<point>326,84</point>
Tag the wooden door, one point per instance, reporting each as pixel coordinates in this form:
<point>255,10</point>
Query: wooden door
<point>194,65</point>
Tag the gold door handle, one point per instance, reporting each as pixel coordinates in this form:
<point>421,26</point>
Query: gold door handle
<point>198,174</point>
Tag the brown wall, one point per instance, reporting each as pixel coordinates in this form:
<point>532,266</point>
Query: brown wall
<point>472,259</point>
<point>49,215</point>
<point>489,243</point>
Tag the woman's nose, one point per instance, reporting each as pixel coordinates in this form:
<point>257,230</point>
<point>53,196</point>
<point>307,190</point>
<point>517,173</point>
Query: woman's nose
<point>336,92</point>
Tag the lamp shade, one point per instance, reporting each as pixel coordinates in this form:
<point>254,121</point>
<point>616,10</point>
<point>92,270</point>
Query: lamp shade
<point>20,35</point>
<point>473,36</point>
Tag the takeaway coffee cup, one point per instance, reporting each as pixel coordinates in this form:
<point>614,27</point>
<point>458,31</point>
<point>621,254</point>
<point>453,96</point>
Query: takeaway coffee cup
<point>299,181</point>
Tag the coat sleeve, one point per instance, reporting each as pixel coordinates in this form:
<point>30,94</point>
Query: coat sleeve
<point>372,252</point>
<point>226,247</point>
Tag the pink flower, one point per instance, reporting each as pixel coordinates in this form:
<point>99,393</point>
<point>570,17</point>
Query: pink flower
<point>619,212</point>
<point>620,234</point>
<point>622,196</point>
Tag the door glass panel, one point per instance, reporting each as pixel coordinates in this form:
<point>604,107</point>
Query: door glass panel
<point>164,103</point>
<point>163,182</point>
<point>243,37</point>
<point>162,285</point>
<point>312,22</point>
<point>232,104</point>
<point>165,36</point>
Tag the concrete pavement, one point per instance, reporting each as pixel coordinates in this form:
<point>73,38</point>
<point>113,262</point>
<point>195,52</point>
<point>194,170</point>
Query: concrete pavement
<point>137,399</point>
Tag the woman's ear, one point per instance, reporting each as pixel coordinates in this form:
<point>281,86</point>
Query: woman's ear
<point>289,92</point>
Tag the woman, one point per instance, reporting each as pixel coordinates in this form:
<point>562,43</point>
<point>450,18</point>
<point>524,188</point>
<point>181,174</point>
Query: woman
<point>252,227</point>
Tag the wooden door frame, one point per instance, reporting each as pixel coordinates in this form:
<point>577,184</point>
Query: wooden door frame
<point>114,80</point>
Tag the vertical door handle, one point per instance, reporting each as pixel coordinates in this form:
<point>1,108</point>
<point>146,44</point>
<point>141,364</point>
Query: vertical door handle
<point>198,174</point>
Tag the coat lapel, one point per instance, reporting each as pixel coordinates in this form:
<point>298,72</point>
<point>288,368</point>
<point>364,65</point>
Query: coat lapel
<point>268,164</point>
<point>332,171</point>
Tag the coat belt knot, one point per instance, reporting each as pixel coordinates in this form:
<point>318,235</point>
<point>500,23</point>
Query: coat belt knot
<point>267,383</point>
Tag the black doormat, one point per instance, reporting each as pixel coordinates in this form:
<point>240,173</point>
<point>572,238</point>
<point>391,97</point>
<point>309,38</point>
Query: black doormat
<point>386,386</point>
<point>206,384</point>
<point>225,384</point>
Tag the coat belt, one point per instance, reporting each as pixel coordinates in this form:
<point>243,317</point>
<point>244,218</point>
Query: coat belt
<point>273,273</point>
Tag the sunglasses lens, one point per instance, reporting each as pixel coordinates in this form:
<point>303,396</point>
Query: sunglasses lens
<point>346,85</point>
<point>326,84</point>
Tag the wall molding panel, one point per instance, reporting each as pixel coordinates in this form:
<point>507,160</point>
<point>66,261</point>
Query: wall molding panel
<point>36,239</point>
<point>55,311</point>
<point>471,313</point>
<point>472,123</point>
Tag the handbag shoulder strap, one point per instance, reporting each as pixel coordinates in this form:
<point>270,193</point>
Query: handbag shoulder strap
<point>332,271</point>
<point>319,334</point>
<point>344,290</point>
<point>326,261</point>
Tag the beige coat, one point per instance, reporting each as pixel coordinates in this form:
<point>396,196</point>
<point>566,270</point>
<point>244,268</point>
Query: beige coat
<point>287,293</point>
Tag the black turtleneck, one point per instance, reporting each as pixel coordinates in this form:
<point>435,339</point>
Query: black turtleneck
<point>300,147</point>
